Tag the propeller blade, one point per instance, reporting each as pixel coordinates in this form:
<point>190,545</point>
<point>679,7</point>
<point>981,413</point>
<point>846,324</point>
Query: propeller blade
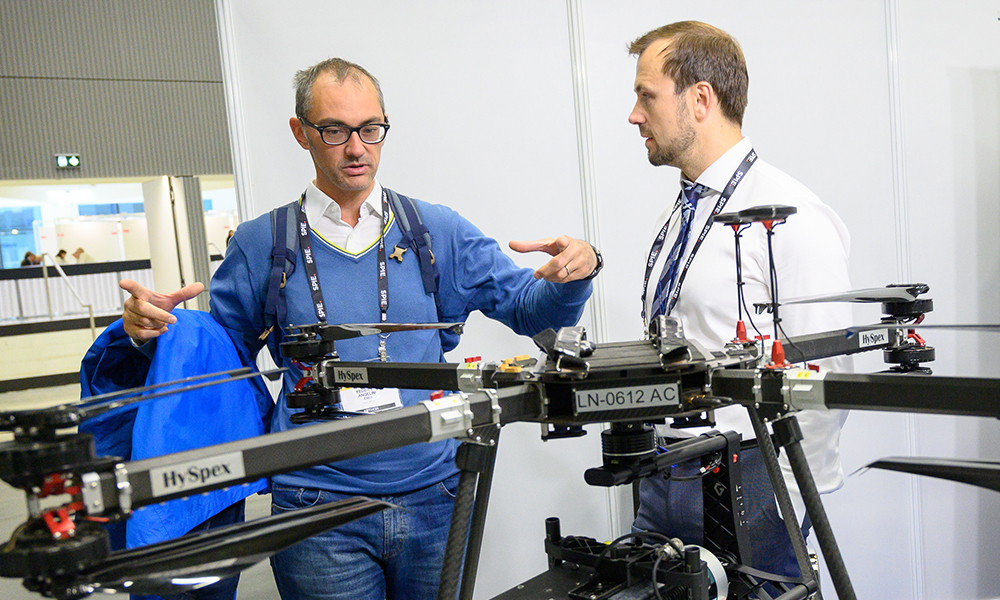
<point>985,474</point>
<point>970,327</point>
<point>70,415</point>
<point>354,330</point>
<point>907,293</point>
<point>135,391</point>
<point>92,408</point>
<point>71,411</point>
<point>194,561</point>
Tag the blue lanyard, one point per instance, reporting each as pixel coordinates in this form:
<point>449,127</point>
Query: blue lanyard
<point>312,275</point>
<point>734,181</point>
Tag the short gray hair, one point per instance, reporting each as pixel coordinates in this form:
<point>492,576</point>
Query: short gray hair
<point>341,70</point>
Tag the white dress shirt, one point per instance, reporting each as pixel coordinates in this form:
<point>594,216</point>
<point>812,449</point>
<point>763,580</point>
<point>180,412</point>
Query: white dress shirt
<point>811,251</point>
<point>325,220</point>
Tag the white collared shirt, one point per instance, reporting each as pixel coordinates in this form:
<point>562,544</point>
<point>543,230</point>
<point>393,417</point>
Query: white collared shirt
<point>811,259</point>
<point>324,213</point>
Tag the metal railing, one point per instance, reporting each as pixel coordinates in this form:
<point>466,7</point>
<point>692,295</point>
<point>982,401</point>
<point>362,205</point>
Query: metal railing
<point>48,293</point>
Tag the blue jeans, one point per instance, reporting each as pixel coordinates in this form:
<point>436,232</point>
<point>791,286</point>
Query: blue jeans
<point>396,553</point>
<point>675,508</point>
<point>220,590</point>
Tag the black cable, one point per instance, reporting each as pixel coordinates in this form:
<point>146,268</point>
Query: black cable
<point>656,566</point>
<point>703,471</point>
<point>741,301</point>
<point>678,547</point>
<point>793,346</point>
<point>135,391</point>
<point>739,275</point>
<point>774,293</point>
<point>634,534</point>
<point>616,541</point>
<point>773,273</point>
<point>12,542</point>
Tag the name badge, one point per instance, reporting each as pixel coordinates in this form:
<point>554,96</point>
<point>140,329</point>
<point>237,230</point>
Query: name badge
<point>370,400</point>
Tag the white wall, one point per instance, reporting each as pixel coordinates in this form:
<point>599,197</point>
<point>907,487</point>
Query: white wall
<point>99,236</point>
<point>135,237</point>
<point>888,110</point>
<point>217,228</point>
<point>949,63</point>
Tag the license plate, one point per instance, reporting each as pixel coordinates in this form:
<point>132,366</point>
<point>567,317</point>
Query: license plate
<point>620,398</point>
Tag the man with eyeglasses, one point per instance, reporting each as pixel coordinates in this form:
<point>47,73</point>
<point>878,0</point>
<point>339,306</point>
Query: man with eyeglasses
<point>341,121</point>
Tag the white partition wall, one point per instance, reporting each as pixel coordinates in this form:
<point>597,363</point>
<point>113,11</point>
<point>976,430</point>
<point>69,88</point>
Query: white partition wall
<point>949,64</point>
<point>135,237</point>
<point>890,111</point>
<point>217,228</point>
<point>99,236</point>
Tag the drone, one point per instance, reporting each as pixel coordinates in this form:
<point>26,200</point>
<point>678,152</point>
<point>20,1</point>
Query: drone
<point>62,551</point>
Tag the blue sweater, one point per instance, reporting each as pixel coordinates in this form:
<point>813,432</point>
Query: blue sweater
<point>474,275</point>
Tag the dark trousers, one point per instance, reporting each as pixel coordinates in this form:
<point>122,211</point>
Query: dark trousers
<point>675,509</point>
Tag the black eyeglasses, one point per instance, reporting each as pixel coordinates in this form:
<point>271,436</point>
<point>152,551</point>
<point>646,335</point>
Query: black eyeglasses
<point>335,135</point>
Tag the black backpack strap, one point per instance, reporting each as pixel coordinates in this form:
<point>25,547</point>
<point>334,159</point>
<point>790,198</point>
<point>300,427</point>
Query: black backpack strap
<point>417,236</point>
<point>283,254</point>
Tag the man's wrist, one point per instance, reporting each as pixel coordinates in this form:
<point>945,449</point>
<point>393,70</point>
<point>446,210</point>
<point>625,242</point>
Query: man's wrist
<point>600,264</point>
<point>147,348</point>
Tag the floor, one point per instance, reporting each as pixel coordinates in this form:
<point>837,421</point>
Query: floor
<point>255,584</point>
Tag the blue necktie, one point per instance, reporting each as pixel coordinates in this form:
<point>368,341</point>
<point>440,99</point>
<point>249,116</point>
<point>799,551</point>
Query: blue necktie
<point>671,268</point>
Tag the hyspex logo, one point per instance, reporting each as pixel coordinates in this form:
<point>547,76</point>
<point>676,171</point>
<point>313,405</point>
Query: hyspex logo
<point>874,338</point>
<point>196,474</point>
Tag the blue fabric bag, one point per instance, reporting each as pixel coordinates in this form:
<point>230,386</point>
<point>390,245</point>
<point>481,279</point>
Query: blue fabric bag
<point>195,345</point>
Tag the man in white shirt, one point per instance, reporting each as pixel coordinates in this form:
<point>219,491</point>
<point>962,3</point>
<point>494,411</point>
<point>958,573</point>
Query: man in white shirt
<point>691,88</point>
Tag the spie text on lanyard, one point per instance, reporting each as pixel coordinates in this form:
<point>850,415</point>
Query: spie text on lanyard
<point>734,181</point>
<point>313,276</point>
